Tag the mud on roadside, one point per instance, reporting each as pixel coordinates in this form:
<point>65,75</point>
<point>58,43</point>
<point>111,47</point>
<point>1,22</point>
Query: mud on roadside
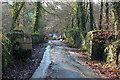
<point>25,70</point>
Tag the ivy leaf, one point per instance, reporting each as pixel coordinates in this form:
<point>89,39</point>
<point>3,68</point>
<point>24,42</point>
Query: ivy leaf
<point>107,48</point>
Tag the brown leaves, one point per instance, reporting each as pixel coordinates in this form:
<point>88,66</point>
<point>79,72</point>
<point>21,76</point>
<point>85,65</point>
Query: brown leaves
<point>103,69</point>
<point>100,68</point>
<point>92,61</point>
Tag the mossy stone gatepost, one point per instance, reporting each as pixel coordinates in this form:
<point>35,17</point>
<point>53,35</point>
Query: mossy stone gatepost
<point>22,44</point>
<point>97,41</point>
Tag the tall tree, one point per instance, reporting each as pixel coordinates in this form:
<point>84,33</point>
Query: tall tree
<point>91,16</point>
<point>16,12</point>
<point>37,17</point>
<point>83,16</point>
<point>116,6</point>
<point>101,15</point>
<point>107,14</point>
<point>78,14</point>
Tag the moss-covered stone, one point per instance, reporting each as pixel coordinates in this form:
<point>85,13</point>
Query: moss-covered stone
<point>113,51</point>
<point>22,44</point>
<point>96,41</point>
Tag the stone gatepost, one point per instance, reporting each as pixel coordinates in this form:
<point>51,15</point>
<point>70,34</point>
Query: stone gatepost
<point>97,41</point>
<point>22,44</point>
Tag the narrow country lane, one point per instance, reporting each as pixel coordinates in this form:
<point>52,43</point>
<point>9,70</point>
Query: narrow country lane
<point>60,39</point>
<point>59,63</point>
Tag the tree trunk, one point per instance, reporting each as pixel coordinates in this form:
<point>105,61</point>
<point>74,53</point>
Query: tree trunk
<point>91,16</point>
<point>116,6</point>
<point>16,13</point>
<point>101,13</point>
<point>78,18</point>
<point>83,16</point>
<point>107,15</point>
<point>37,17</point>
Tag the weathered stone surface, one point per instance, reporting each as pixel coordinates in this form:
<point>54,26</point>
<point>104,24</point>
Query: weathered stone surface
<point>113,51</point>
<point>97,41</point>
<point>24,39</point>
<point>37,38</point>
<point>22,42</point>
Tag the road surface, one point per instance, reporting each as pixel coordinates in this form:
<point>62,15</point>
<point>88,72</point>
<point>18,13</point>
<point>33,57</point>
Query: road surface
<point>57,62</point>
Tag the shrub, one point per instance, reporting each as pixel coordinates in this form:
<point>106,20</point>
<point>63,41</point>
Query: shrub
<point>74,37</point>
<point>13,51</point>
<point>97,41</point>
<point>7,58</point>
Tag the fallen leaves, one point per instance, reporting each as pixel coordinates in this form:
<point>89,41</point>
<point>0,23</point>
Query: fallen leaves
<point>92,61</point>
<point>101,69</point>
<point>109,72</point>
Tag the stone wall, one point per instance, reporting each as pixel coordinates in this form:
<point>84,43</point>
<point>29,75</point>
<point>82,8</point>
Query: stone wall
<point>24,39</point>
<point>22,44</point>
<point>97,41</point>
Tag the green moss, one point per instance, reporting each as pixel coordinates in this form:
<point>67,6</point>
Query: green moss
<point>35,33</point>
<point>73,37</point>
<point>113,51</point>
<point>96,43</point>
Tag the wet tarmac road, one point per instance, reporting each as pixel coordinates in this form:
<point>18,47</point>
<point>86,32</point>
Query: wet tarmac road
<point>57,62</point>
